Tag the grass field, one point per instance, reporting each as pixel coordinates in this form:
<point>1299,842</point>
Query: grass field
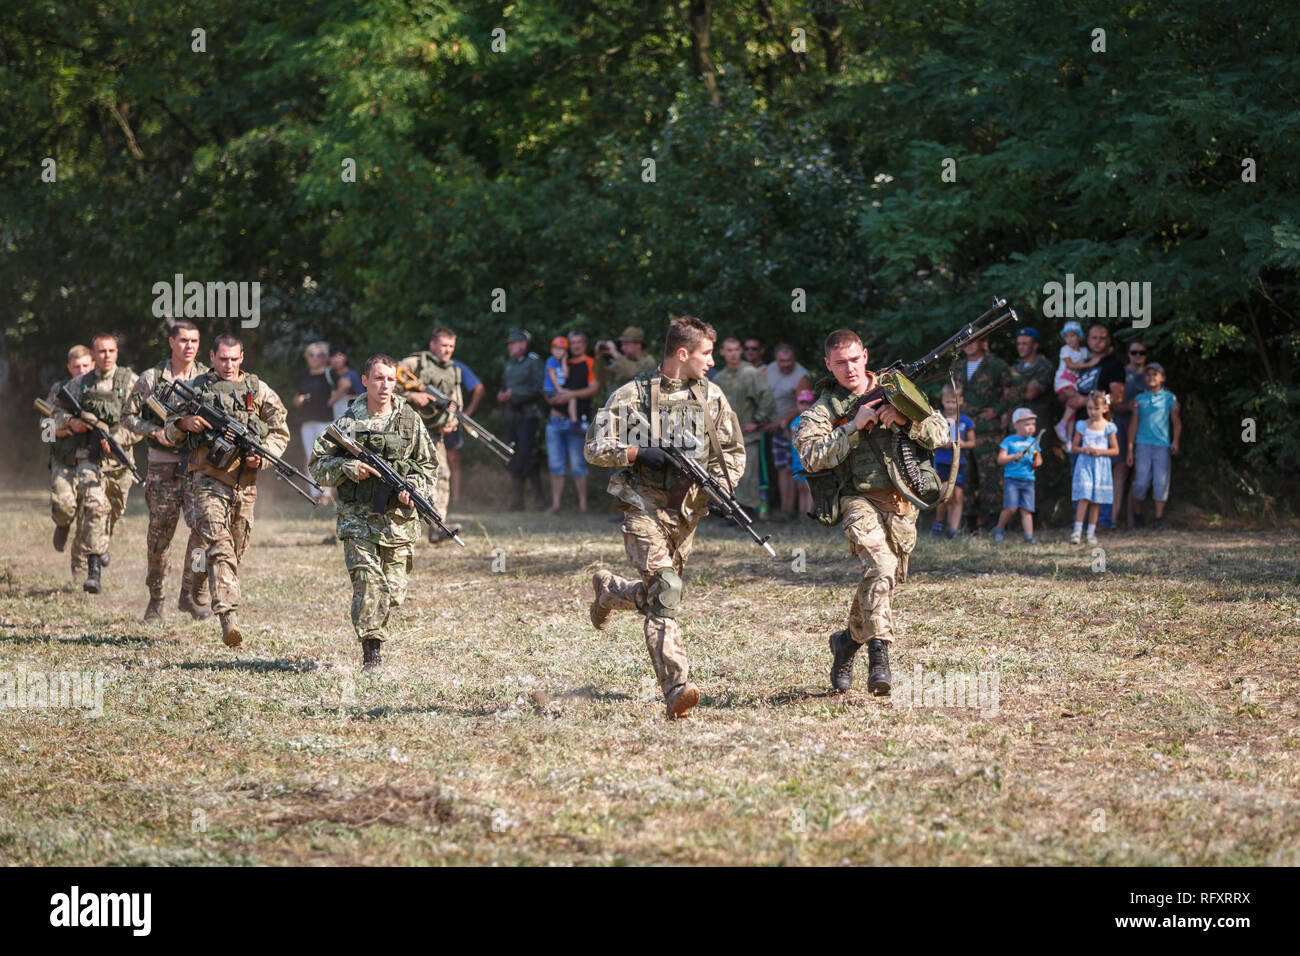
<point>1145,714</point>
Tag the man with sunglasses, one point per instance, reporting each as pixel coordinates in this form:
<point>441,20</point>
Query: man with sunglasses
<point>1122,412</point>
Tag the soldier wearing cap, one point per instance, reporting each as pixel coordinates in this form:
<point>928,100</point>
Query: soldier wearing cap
<point>520,395</point>
<point>615,368</point>
<point>1033,373</point>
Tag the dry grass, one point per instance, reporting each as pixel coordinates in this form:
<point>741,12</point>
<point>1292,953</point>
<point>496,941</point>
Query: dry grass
<point>1146,715</point>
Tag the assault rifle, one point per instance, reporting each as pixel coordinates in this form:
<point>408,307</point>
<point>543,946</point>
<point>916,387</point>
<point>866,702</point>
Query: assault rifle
<point>724,500</point>
<point>69,400</point>
<point>896,381</point>
<point>411,383</point>
<point>234,439</point>
<point>391,484</point>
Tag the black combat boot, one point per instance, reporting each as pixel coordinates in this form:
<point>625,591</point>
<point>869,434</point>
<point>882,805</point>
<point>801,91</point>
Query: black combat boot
<point>154,611</point>
<point>92,574</point>
<point>878,678</point>
<point>843,649</point>
<point>60,537</point>
<point>370,658</point>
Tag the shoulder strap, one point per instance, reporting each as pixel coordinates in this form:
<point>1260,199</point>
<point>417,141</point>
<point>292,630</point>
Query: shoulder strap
<point>701,392</point>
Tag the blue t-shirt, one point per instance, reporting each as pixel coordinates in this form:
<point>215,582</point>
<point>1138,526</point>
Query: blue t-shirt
<point>1153,417</point>
<point>956,432</point>
<point>1024,468</point>
<point>468,380</point>
<point>796,466</point>
<point>561,374</point>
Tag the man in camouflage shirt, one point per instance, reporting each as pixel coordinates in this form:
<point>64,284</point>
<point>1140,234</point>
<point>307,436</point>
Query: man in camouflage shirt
<point>102,481</point>
<point>615,367</point>
<point>377,547</point>
<point>1033,375</point>
<point>63,458</point>
<point>435,367</point>
<point>167,491</point>
<point>660,506</point>
<point>878,521</point>
<point>750,398</point>
<point>984,400</point>
<point>225,493</point>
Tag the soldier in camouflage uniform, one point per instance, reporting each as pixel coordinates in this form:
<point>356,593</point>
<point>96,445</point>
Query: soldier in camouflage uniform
<point>63,460</point>
<point>435,367</point>
<point>521,391</point>
<point>984,399</point>
<point>102,481</point>
<point>879,522</point>
<point>752,401</point>
<point>377,548</point>
<point>225,495</point>
<point>615,367</point>
<point>660,508</point>
<point>167,490</point>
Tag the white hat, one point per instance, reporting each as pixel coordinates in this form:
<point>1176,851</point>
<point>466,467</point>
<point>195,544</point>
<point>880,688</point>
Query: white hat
<point>1020,413</point>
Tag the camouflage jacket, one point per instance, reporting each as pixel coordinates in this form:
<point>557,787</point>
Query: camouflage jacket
<point>445,377</point>
<point>398,437</point>
<point>746,389</point>
<point>1041,371</point>
<point>248,400</point>
<point>822,445</point>
<point>138,418</point>
<point>615,428</point>
<point>613,372</point>
<point>104,397</point>
<point>984,390</point>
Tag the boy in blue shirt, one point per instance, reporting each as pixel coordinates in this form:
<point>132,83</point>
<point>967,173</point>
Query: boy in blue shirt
<point>1019,455</point>
<point>1153,434</point>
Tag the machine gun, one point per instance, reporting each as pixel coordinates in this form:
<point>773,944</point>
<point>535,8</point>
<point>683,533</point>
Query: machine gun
<point>391,484</point>
<point>718,494</point>
<point>69,401</point>
<point>411,383</point>
<point>233,438</point>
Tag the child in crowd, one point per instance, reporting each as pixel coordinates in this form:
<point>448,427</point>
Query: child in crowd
<point>805,401</point>
<point>1096,443</point>
<point>1075,357</point>
<point>557,372</point>
<point>1019,454</point>
<point>961,430</point>
<point>1153,435</point>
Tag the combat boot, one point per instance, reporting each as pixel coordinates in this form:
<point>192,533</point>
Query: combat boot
<point>60,537</point>
<point>599,613</point>
<point>186,602</point>
<point>92,574</point>
<point>154,611</point>
<point>370,658</point>
<point>843,650</point>
<point>879,679</point>
<point>231,635</point>
<point>681,700</point>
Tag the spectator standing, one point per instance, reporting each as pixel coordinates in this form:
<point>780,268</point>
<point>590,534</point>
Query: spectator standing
<point>1095,444</point>
<point>786,378</point>
<point>1020,455</point>
<point>984,395</point>
<point>1154,433</point>
<point>1105,376</point>
<point>615,367</point>
<point>1033,376</point>
<point>750,398</point>
<point>961,430</point>
<point>564,438</point>
<point>343,380</point>
<point>521,389</point>
<point>753,353</point>
<point>313,400</point>
<point>1134,385</point>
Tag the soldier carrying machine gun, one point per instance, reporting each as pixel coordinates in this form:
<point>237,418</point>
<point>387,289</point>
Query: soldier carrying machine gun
<point>409,381</point>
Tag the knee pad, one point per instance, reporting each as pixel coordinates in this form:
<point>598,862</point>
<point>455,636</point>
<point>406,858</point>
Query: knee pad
<point>664,593</point>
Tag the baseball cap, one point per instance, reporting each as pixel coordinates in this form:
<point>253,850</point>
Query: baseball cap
<point>1030,331</point>
<point>517,335</point>
<point>1020,414</point>
<point>1154,366</point>
<point>805,396</point>
<point>561,341</point>
<point>632,334</point>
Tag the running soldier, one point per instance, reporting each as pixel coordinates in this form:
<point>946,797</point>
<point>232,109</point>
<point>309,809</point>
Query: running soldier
<point>377,547</point>
<point>224,492</point>
<point>878,521</point>
<point>660,507</point>
<point>435,367</point>
<point>64,501</point>
<point>167,491</point>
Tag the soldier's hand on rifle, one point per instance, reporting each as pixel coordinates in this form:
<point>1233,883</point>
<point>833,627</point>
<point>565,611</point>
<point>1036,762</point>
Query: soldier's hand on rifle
<point>253,461</point>
<point>160,436</point>
<point>103,445</point>
<point>648,456</point>
<point>78,426</point>
<point>867,416</point>
<point>193,423</point>
<point>405,499</point>
<point>889,415</point>
<point>364,471</point>
<point>419,399</point>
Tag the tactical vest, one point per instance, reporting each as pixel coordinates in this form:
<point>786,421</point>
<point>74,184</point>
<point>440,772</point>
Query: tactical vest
<point>64,450</point>
<point>393,445</point>
<point>106,406</point>
<point>147,414</point>
<point>445,379</point>
<point>236,399</point>
<point>668,476</point>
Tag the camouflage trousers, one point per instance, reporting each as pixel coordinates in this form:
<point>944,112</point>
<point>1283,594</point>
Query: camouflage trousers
<point>168,495</point>
<point>747,487</point>
<point>64,508</point>
<point>379,575</point>
<point>442,486</point>
<point>882,541</point>
<point>988,471</point>
<point>102,492</point>
<point>223,520</point>
<point>653,544</point>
